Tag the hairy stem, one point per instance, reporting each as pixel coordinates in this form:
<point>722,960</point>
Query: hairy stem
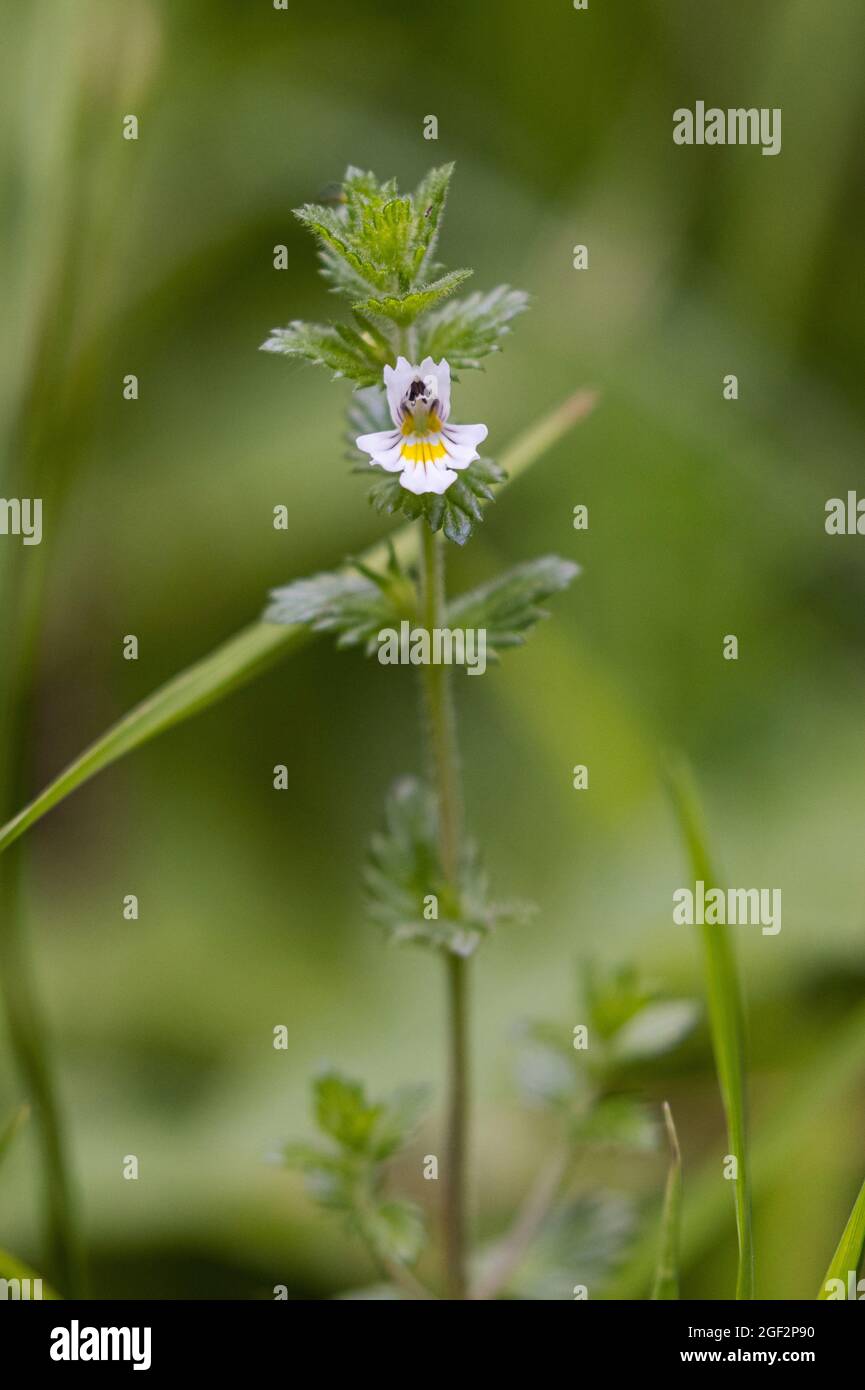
<point>441,735</point>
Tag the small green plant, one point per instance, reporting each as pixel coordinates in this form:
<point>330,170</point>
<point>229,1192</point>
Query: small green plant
<point>403,342</point>
<point>406,340</point>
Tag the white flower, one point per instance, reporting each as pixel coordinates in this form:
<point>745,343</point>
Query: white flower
<point>422,446</point>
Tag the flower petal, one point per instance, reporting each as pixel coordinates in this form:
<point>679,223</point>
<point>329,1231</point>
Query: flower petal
<point>460,440</point>
<point>396,380</point>
<point>442,372</point>
<point>466,434</point>
<point>427,477</point>
<point>385,447</point>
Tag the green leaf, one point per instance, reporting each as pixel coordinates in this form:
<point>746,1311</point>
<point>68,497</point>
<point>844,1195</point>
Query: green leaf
<point>848,1255</point>
<point>349,1179</point>
<point>457,512</point>
<point>657,1028</point>
<point>336,346</point>
<point>375,1130</point>
<point>508,606</point>
<point>360,184</point>
<point>387,229</point>
<point>404,308</point>
<point>613,997</point>
<point>666,1286</point>
<point>467,330</point>
<point>429,204</point>
<point>403,872</point>
<point>343,1112</point>
<point>351,605</point>
<point>397,1120</point>
<point>332,228</point>
<point>378,237</point>
<point>254,649</point>
<point>726,1019</point>
<point>330,1178</point>
<point>395,1230</point>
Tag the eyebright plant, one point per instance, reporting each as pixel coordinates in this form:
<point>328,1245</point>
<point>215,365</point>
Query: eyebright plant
<point>424,880</point>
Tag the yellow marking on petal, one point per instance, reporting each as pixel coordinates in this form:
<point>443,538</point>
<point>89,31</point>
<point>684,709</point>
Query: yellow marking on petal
<point>423,452</point>
<point>421,423</point>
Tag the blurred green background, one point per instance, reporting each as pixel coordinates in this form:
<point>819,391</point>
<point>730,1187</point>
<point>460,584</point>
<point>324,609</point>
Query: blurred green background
<point>706,518</point>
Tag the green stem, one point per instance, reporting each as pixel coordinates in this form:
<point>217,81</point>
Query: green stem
<point>27,1027</point>
<point>441,735</point>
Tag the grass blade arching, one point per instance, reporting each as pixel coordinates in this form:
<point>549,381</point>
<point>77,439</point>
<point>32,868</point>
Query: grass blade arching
<point>726,1018</point>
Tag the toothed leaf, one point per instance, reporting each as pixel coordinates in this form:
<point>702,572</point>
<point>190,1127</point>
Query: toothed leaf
<point>467,330</point>
<point>508,607</point>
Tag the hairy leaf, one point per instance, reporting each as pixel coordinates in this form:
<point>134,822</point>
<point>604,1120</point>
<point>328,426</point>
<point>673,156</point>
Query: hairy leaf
<point>343,1112</point>
<point>429,204</point>
<point>346,352</point>
<point>403,874</point>
<point>332,228</point>
<point>467,330</point>
<point>508,606</point>
<point>456,513</point>
<point>351,605</point>
<point>348,1176</point>
<point>404,308</point>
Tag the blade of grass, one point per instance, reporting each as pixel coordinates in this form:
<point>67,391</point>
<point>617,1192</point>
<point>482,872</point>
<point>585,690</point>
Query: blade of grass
<point>11,1128</point>
<point>726,1018</point>
<point>667,1273</point>
<point>848,1256</point>
<point>825,1084</point>
<point>255,648</point>
<point>11,1268</point>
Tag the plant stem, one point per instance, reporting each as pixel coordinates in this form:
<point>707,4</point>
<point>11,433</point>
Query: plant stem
<point>441,735</point>
<point>27,1027</point>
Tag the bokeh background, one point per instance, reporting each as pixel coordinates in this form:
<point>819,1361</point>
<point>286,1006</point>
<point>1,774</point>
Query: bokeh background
<point>706,518</point>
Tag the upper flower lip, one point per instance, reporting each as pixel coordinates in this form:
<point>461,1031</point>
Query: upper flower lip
<point>423,447</point>
<point>400,379</point>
